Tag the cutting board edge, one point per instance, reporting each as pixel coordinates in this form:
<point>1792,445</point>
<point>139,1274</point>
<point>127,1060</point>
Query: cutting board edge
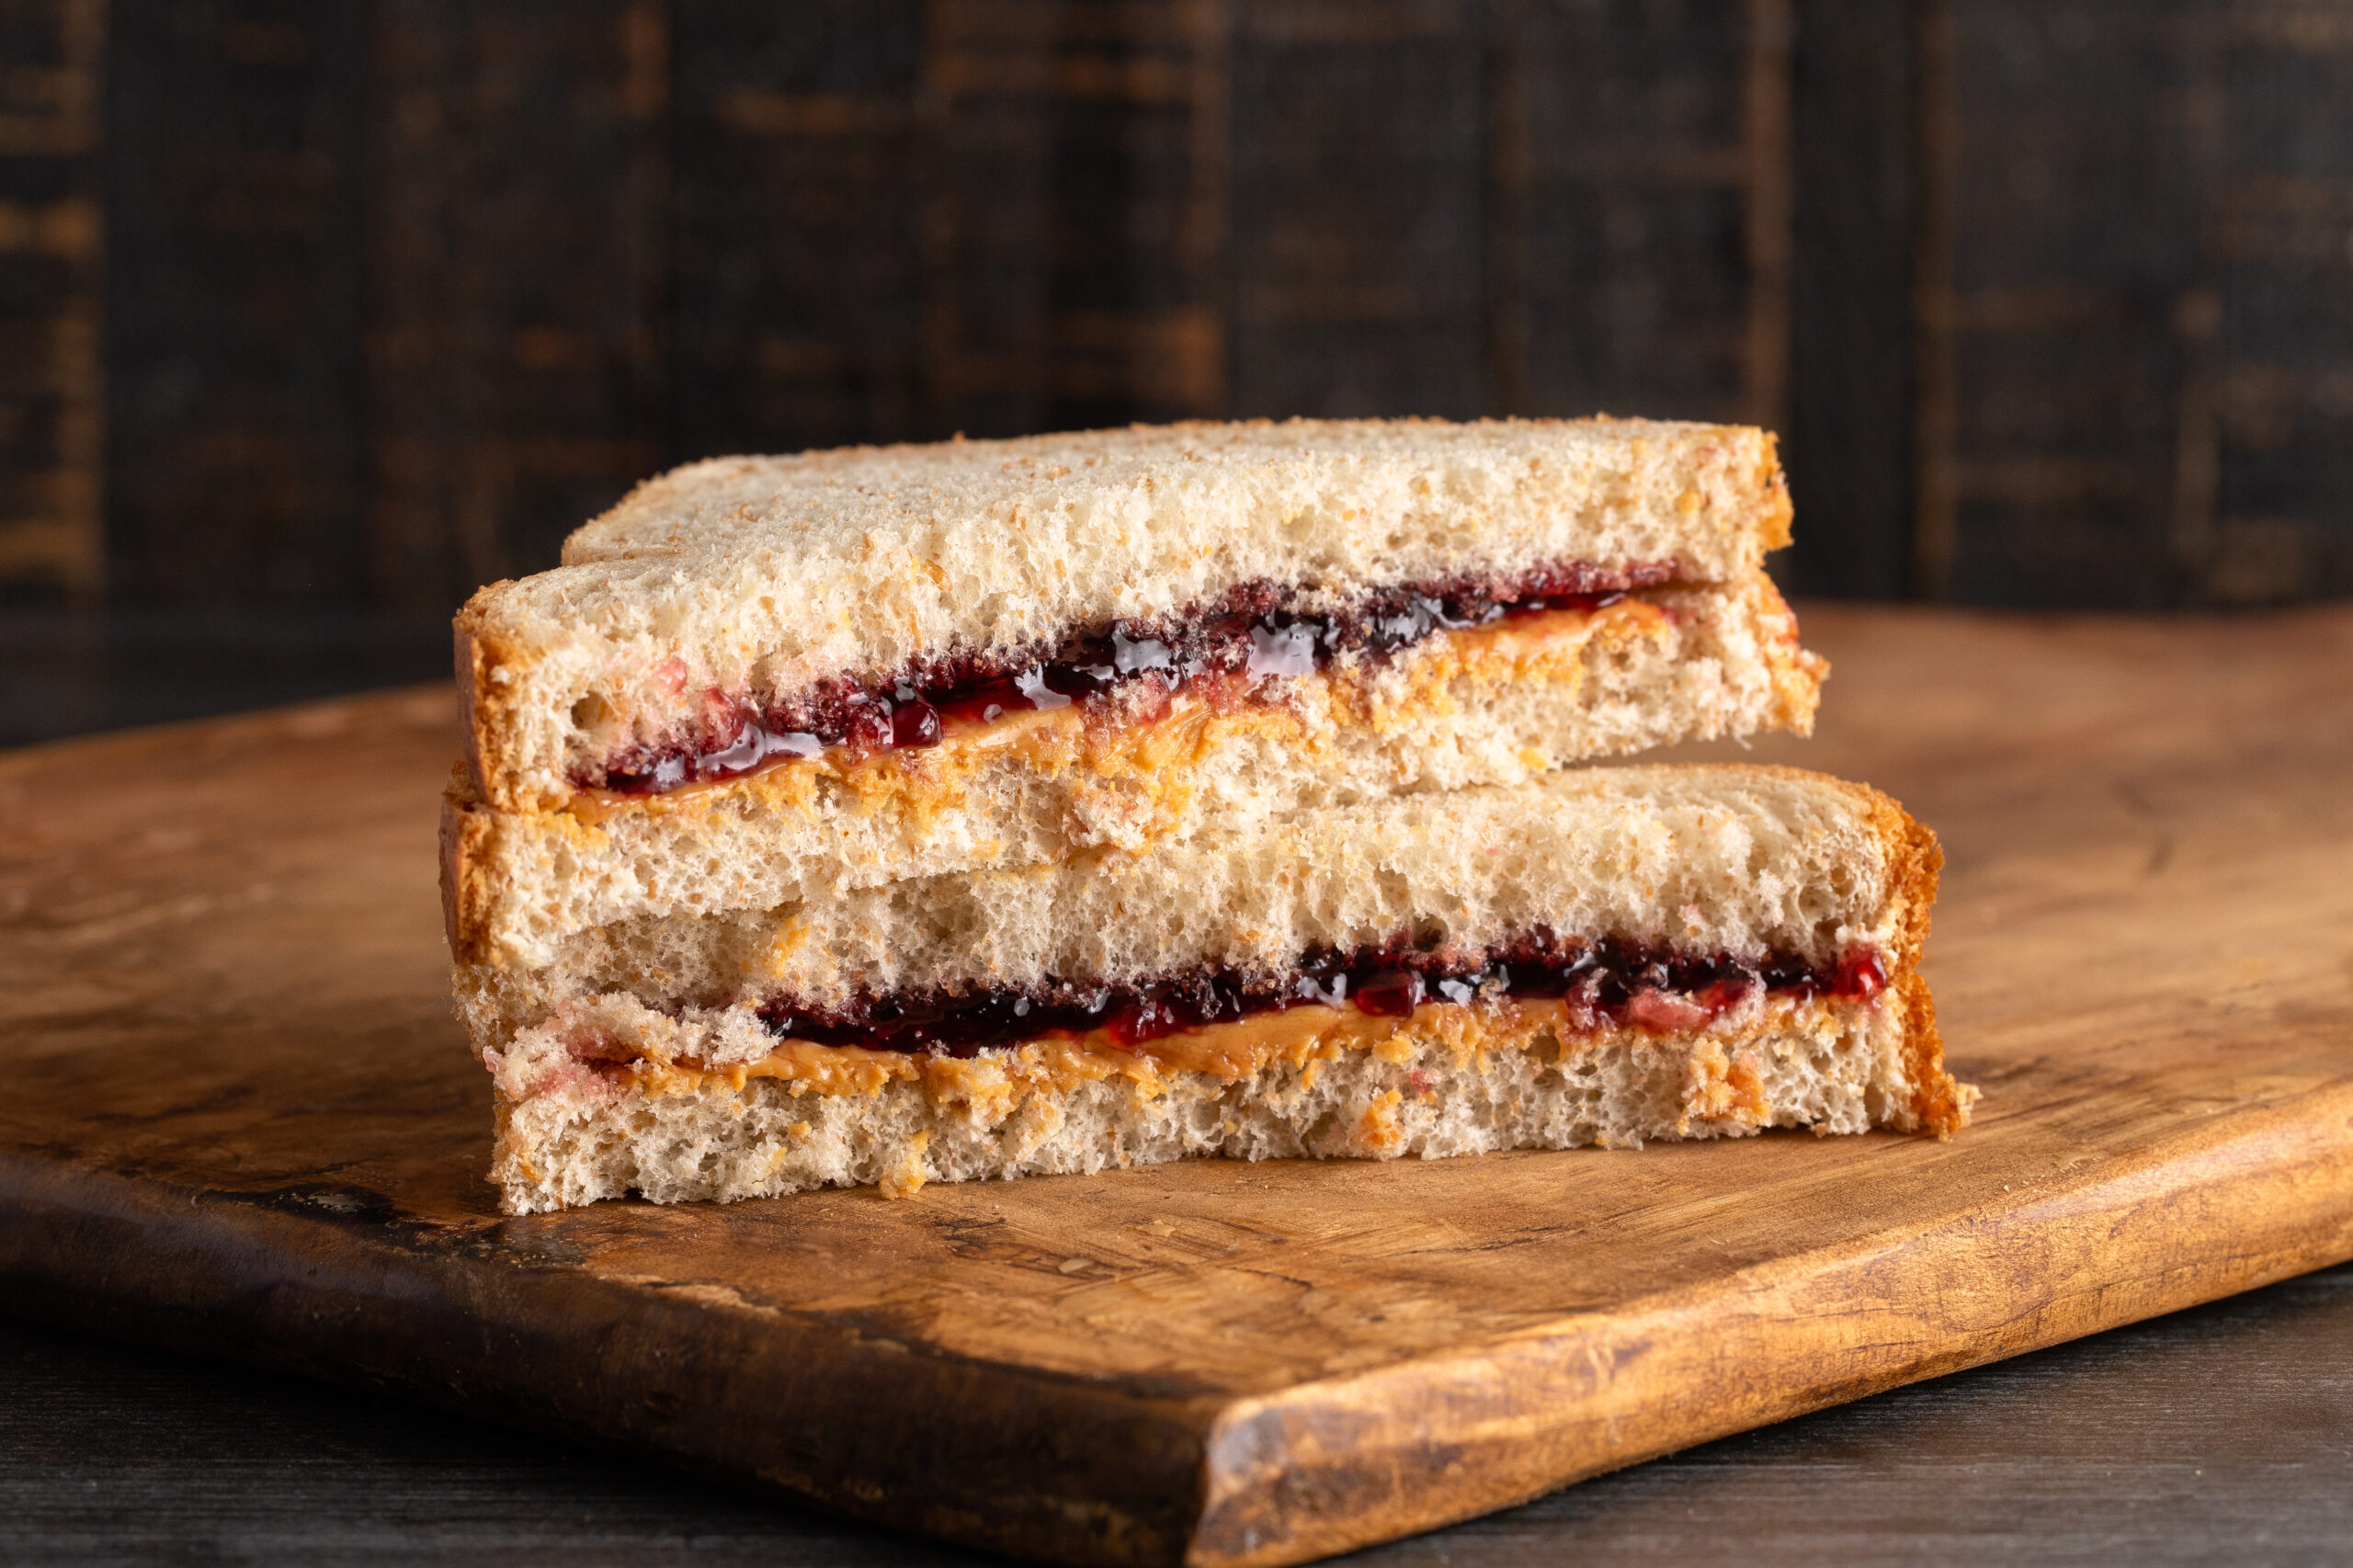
<point>1228,1482</point>
<point>216,1275</point>
<point>2273,1191</point>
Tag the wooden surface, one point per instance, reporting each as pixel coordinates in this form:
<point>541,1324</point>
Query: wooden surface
<point>243,1122</point>
<point>2213,1435</point>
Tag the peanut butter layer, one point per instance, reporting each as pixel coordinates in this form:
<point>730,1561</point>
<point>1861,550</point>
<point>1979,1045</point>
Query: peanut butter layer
<point>995,1082</point>
<point>1154,745</point>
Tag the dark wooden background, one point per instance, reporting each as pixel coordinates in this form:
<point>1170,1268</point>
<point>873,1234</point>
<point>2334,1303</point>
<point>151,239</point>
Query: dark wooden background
<point>316,314</point>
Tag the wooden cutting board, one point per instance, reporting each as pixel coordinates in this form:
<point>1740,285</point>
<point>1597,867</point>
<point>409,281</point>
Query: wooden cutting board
<point>240,1120</point>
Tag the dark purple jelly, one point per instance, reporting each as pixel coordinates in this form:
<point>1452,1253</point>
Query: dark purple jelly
<point>1600,979</point>
<point>1257,632</point>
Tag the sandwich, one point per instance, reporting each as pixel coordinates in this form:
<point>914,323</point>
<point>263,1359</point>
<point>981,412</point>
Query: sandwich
<point>1599,956</point>
<point>990,809</point>
<point>762,682</point>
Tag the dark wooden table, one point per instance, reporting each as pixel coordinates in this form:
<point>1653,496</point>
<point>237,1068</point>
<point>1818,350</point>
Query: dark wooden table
<point>2225,1432</point>
<point>2221,1434</point>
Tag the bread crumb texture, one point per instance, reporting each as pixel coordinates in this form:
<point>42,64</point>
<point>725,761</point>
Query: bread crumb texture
<point>761,575</point>
<point>1735,859</point>
<point>1313,1082</point>
<point>1498,707</point>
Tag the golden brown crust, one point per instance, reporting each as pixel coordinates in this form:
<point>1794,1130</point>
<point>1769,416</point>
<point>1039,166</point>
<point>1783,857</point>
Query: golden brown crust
<point>466,894</point>
<point>1918,862</point>
<point>1914,857</point>
<point>467,658</point>
<point>1939,1104</point>
<point>487,716</point>
<point>1913,861</point>
<point>1775,515</point>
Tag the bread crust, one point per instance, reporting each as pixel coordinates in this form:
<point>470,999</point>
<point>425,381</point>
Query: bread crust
<point>477,720</point>
<point>468,895</point>
<point>1938,1104</point>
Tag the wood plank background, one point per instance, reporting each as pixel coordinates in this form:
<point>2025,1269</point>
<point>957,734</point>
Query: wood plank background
<point>348,306</point>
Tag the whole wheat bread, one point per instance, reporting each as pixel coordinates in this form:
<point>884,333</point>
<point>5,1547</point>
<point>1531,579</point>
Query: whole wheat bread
<point>761,576</point>
<point>638,1058</point>
<point>1673,666</point>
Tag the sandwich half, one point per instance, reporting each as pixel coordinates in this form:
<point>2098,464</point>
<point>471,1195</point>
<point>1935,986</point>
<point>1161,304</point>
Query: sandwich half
<point>1602,957</point>
<point>764,680</point>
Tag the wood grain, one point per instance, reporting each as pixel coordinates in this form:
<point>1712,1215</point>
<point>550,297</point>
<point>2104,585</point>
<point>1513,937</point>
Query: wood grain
<point>243,1120</point>
<point>2200,1436</point>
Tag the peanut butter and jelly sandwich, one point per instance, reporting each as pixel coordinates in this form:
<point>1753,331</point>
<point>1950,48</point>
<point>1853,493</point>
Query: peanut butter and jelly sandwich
<point>758,679</point>
<point>993,808</point>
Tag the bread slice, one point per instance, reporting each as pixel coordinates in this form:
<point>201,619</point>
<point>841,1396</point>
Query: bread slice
<point>1605,956</point>
<point>1497,704</point>
<point>759,596</point>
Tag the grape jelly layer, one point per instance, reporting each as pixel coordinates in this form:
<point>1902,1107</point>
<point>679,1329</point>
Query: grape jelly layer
<point>1611,980</point>
<point>1257,632</point>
